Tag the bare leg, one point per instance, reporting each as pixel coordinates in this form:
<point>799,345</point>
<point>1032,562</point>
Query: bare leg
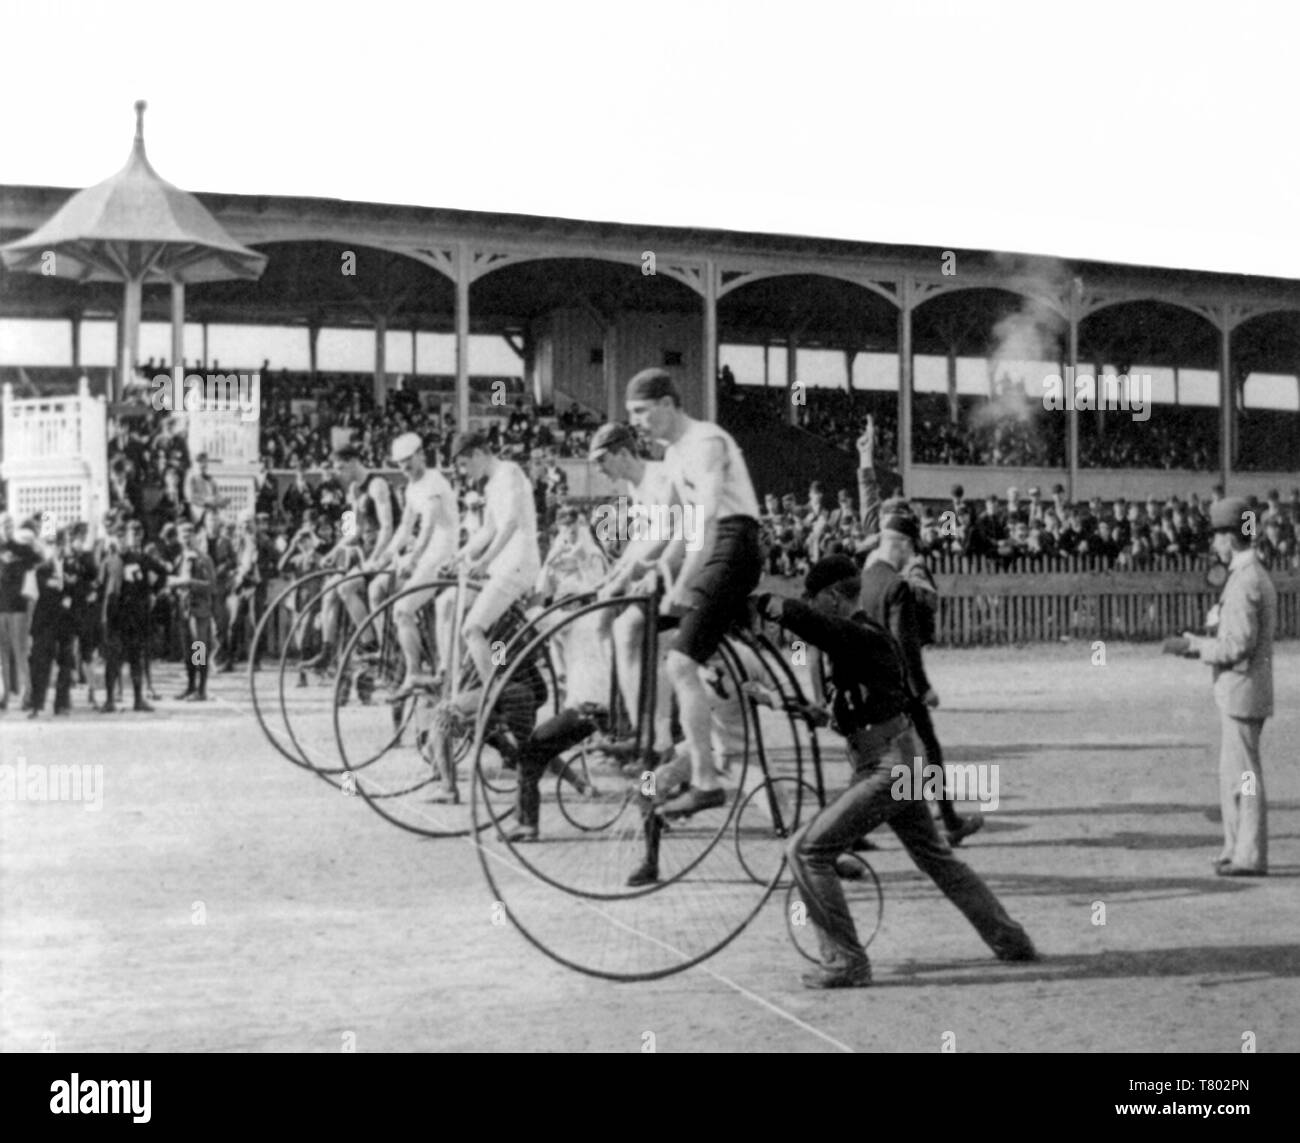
<point>696,717</point>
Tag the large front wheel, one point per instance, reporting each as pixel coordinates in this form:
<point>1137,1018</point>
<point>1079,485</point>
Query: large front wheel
<point>567,889</point>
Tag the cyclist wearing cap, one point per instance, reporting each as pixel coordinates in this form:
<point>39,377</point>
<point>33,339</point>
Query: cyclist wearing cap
<point>718,573</point>
<point>423,544</point>
<point>614,450</point>
<point>505,547</point>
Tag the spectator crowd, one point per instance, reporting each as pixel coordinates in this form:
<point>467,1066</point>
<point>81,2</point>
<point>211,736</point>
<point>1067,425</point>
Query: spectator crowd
<point>1029,531</point>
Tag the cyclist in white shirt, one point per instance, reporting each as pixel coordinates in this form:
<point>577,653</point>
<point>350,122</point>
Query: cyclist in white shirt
<point>718,574</point>
<point>614,449</point>
<point>504,548</point>
<point>424,543</point>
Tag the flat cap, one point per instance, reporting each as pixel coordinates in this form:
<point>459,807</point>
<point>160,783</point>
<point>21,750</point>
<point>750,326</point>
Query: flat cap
<point>406,446</point>
<point>611,436</point>
<point>468,441</point>
<point>827,572</point>
<point>652,385</point>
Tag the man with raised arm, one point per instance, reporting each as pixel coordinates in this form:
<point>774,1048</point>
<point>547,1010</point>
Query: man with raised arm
<point>721,567</point>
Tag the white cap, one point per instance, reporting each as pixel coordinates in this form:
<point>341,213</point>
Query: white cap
<point>406,446</point>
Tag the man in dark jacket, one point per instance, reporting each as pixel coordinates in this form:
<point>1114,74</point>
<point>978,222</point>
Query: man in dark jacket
<point>54,628</point>
<point>129,576</point>
<point>900,595</point>
<point>869,705</point>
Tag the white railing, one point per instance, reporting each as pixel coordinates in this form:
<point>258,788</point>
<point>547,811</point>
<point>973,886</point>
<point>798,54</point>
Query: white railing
<point>56,455</point>
<point>227,438</point>
<point>41,428</point>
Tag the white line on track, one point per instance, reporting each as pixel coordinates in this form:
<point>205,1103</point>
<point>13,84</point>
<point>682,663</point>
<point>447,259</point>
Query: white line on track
<point>761,1001</point>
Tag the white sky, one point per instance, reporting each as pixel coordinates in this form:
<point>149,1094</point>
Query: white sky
<point>1151,133</point>
<point>1156,133</point>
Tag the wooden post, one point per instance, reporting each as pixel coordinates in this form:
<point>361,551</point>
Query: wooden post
<point>313,338</point>
<point>205,347</point>
<point>905,381</point>
<point>381,364</point>
<point>791,376</point>
<point>415,354</point>
<point>710,340</point>
<point>953,412</point>
<point>462,337</point>
<point>1072,371</point>
<point>76,340</point>
<point>1227,400</point>
<point>178,324</point>
<point>609,354</point>
<point>130,344</point>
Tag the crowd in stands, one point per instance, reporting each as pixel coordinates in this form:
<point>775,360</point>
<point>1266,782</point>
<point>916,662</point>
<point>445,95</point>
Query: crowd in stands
<point>1029,531</point>
<point>1011,430</point>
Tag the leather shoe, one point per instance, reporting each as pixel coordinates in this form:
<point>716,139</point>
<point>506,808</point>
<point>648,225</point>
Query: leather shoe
<point>849,868</point>
<point>969,825</point>
<point>523,833</point>
<point>693,801</point>
<point>1227,869</point>
<point>839,976</point>
<point>1024,952</point>
<point>647,873</point>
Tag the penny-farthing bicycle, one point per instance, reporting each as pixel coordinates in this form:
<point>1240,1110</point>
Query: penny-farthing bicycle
<point>567,893</point>
<point>407,751</point>
<point>293,703</point>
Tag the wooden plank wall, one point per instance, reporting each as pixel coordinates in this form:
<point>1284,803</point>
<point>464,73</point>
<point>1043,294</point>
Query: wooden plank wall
<point>980,605</point>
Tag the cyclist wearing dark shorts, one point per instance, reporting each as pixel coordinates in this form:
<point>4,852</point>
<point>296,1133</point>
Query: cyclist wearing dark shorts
<point>722,567</point>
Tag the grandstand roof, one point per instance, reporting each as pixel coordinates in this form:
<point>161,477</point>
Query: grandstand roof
<point>414,289</point>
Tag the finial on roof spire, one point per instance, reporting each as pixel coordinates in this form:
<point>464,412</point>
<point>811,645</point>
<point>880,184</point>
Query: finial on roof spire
<point>140,106</point>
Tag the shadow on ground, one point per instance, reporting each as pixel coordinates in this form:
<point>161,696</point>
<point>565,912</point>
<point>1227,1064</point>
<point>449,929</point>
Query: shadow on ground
<point>1195,960</point>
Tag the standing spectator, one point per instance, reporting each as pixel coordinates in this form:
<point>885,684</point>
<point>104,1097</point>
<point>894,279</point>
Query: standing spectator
<point>195,585</point>
<point>17,558</point>
<point>129,577</point>
<point>989,530</point>
<point>1240,651</point>
<point>54,631</point>
<point>201,489</point>
<point>171,508</point>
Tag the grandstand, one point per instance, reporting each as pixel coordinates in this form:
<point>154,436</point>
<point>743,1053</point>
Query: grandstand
<point>789,342</point>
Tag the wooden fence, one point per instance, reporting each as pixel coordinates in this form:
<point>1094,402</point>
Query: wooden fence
<point>1006,604</point>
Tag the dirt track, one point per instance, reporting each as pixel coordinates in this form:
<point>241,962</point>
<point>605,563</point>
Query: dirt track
<point>319,921</point>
